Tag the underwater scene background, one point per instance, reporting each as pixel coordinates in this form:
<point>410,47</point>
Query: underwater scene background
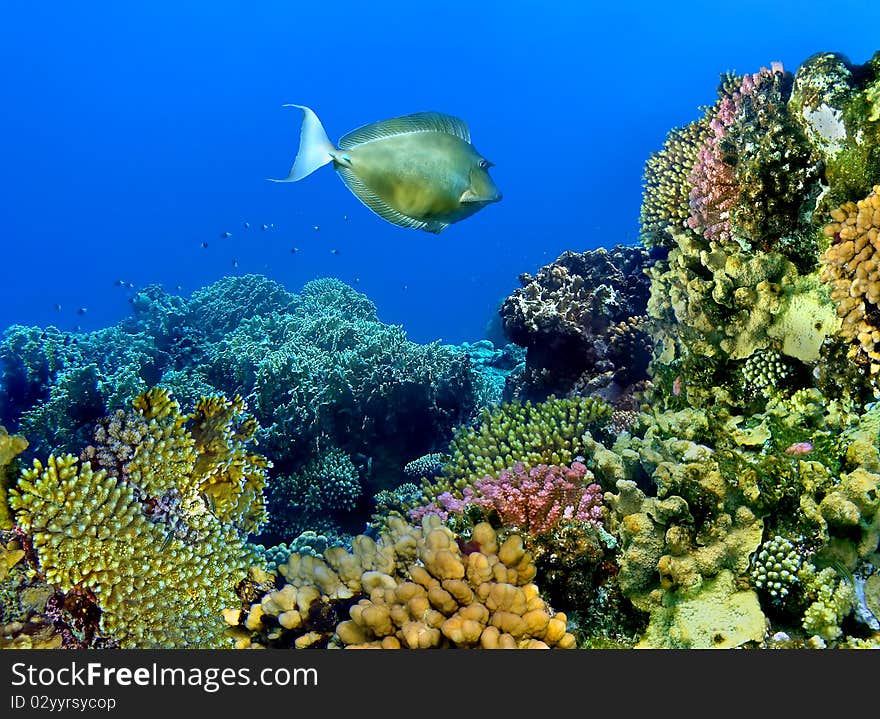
<point>632,404</point>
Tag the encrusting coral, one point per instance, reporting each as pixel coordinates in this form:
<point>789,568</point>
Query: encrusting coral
<point>149,526</point>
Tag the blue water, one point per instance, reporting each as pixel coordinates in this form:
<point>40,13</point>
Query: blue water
<point>132,135</point>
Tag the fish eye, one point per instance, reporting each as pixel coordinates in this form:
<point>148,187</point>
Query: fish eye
<point>484,164</point>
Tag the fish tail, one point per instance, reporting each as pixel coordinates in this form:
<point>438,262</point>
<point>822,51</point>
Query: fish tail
<point>315,148</point>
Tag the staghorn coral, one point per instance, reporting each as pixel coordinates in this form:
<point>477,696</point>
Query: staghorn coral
<point>416,587</point>
<point>579,320</point>
<point>158,547</point>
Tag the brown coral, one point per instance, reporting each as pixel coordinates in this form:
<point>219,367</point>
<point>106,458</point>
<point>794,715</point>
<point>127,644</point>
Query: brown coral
<point>852,269</point>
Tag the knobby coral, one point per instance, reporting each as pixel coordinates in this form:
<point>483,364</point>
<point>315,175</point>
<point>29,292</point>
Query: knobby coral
<point>852,270</point>
<point>416,588</point>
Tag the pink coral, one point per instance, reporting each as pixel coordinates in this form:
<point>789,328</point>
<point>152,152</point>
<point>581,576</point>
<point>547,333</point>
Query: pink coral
<point>537,500</point>
<point>714,192</point>
<point>442,506</point>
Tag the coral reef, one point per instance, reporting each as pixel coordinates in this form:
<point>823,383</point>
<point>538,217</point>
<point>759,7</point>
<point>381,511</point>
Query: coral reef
<point>415,588</point>
<point>148,528</point>
<point>581,320</point>
<point>685,453</point>
<point>317,369</point>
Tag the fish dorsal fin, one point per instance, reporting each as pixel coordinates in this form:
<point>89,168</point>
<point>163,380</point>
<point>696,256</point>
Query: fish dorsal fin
<point>418,122</point>
<point>382,208</point>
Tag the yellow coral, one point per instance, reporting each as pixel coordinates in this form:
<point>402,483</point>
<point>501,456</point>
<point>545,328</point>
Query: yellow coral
<point>852,270</point>
<point>160,562</point>
<point>10,447</point>
<point>417,590</point>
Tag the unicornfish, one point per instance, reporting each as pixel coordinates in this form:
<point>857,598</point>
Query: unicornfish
<point>418,171</point>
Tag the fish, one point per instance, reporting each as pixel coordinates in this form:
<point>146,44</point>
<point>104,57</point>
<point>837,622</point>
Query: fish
<point>418,171</point>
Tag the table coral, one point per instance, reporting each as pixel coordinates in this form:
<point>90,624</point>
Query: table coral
<point>157,542</point>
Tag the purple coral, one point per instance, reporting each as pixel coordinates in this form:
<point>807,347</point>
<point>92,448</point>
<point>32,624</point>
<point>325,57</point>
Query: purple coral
<point>533,500</point>
<point>714,191</point>
<point>536,500</point>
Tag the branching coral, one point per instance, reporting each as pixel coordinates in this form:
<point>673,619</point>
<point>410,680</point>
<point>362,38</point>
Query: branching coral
<point>578,319</point>
<point>328,485</point>
<point>667,185</point>
<point>551,432</point>
<point>534,501</point>
<point>156,543</point>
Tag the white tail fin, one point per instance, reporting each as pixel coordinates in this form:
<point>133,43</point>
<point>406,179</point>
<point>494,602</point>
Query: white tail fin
<point>315,147</point>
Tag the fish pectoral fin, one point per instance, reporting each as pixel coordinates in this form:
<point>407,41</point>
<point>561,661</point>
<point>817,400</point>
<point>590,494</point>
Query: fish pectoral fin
<point>436,227</point>
<point>378,205</point>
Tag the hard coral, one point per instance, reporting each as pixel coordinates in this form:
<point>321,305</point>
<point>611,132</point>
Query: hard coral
<point>414,588</point>
<point>665,205</point>
<point>578,320</point>
<point>10,447</point>
<point>852,270</point>
<point>539,499</point>
<point>158,541</point>
<point>551,432</point>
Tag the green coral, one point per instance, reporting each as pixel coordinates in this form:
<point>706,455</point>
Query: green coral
<point>765,372</point>
<point>142,527</point>
<point>831,600</point>
<point>776,566</point>
<point>665,182</point>
<point>550,432</point>
<point>329,484</point>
